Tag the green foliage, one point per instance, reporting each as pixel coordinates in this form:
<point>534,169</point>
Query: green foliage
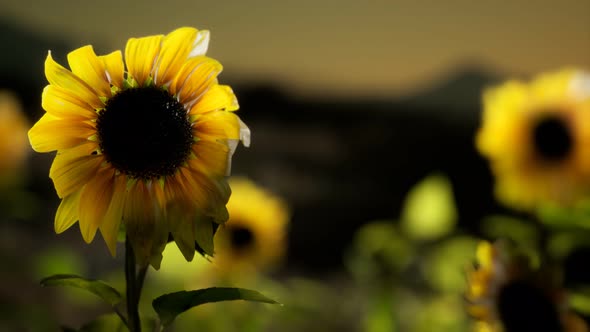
<point>429,211</point>
<point>379,250</point>
<point>520,231</point>
<point>97,287</point>
<point>445,266</point>
<point>169,306</point>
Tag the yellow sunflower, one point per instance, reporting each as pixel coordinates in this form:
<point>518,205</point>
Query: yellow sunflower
<point>144,144</point>
<point>254,237</point>
<point>505,294</point>
<point>537,138</point>
<point>13,136</point>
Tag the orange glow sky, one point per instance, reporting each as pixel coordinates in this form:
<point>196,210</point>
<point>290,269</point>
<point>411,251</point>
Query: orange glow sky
<point>338,46</point>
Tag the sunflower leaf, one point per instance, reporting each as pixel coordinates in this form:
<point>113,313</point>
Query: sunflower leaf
<point>97,287</point>
<point>168,306</point>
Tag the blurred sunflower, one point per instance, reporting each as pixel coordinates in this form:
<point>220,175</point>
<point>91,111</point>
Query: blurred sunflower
<point>254,237</point>
<point>147,147</point>
<point>537,138</point>
<point>13,136</point>
<point>504,294</point>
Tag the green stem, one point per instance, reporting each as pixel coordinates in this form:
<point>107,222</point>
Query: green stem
<point>133,289</point>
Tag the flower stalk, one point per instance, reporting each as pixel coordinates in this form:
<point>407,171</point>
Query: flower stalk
<point>134,284</point>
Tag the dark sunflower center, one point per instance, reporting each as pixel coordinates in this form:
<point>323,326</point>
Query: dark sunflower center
<point>524,307</point>
<point>552,139</point>
<point>240,238</point>
<point>144,132</point>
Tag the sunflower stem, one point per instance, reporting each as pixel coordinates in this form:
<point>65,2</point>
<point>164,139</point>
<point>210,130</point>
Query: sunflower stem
<point>133,288</point>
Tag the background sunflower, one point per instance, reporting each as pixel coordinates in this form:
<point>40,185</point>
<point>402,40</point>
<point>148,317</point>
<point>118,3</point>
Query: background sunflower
<point>537,137</point>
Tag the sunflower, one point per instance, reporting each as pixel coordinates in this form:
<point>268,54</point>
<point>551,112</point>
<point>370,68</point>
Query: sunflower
<point>254,237</point>
<point>505,294</point>
<point>537,138</point>
<point>13,136</point>
<point>143,144</point>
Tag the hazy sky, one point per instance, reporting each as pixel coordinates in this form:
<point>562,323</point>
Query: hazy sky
<point>338,46</point>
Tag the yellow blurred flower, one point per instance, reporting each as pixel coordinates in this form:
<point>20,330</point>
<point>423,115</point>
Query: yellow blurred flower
<point>145,143</point>
<point>13,136</point>
<point>505,294</point>
<point>254,238</point>
<point>537,138</point>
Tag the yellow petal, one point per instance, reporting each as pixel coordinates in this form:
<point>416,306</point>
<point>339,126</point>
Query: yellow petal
<point>67,212</point>
<point>145,224</point>
<point>113,64</point>
<point>73,168</point>
<point>211,158</point>
<point>140,54</point>
<point>218,97</point>
<point>58,75</point>
<point>200,44</point>
<point>176,48</point>
<point>51,133</point>
<point>86,65</point>
<point>217,126</point>
<point>209,194</point>
<point>94,202</point>
<point>112,219</point>
<point>61,103</point>
<point>181,227</point>
<point>194,78</point>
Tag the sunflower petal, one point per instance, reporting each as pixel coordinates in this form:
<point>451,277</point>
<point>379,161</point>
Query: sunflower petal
<point>60,76</point>
<point>61,103</point>
<point>112,219</point>
<point>176,48</point>
<point>204,234</point>
<point>211,158</point>
<point>181,227</point>
<point>73,168</point>
<point>94,202</point>
<point>201,44</point>
<point>195,77</point>
<point>145,224</point>
<point>113,64</point>
<point>209,194</point>
<point>218,97</point>
<point>217,126</point>
<point>67,212</point>
<point>140,54</point>
<point>51,133</point>
<point>86,65</point>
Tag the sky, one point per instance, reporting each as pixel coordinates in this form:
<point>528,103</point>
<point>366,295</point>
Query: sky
<point>337,47</point>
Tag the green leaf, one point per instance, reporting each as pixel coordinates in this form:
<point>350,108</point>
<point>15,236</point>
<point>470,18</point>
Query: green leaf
<point>169,306</point>
<point>429,210</point>
<point>97,287</point>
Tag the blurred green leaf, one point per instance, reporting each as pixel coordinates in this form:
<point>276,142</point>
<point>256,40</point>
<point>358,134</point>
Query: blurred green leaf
<point>169,306</point>
<point>520,231</point>
<point>441,314</point>
<point>429,210</point>
<point>562,243</point>
<point>565,218</point>
<point>579,300</point>
<point>97,287</point>
<point>444,267</point>
<point>380,314</point>
<point>379,250</point>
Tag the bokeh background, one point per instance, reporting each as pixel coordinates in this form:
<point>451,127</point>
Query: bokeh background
<point>350,104</point>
